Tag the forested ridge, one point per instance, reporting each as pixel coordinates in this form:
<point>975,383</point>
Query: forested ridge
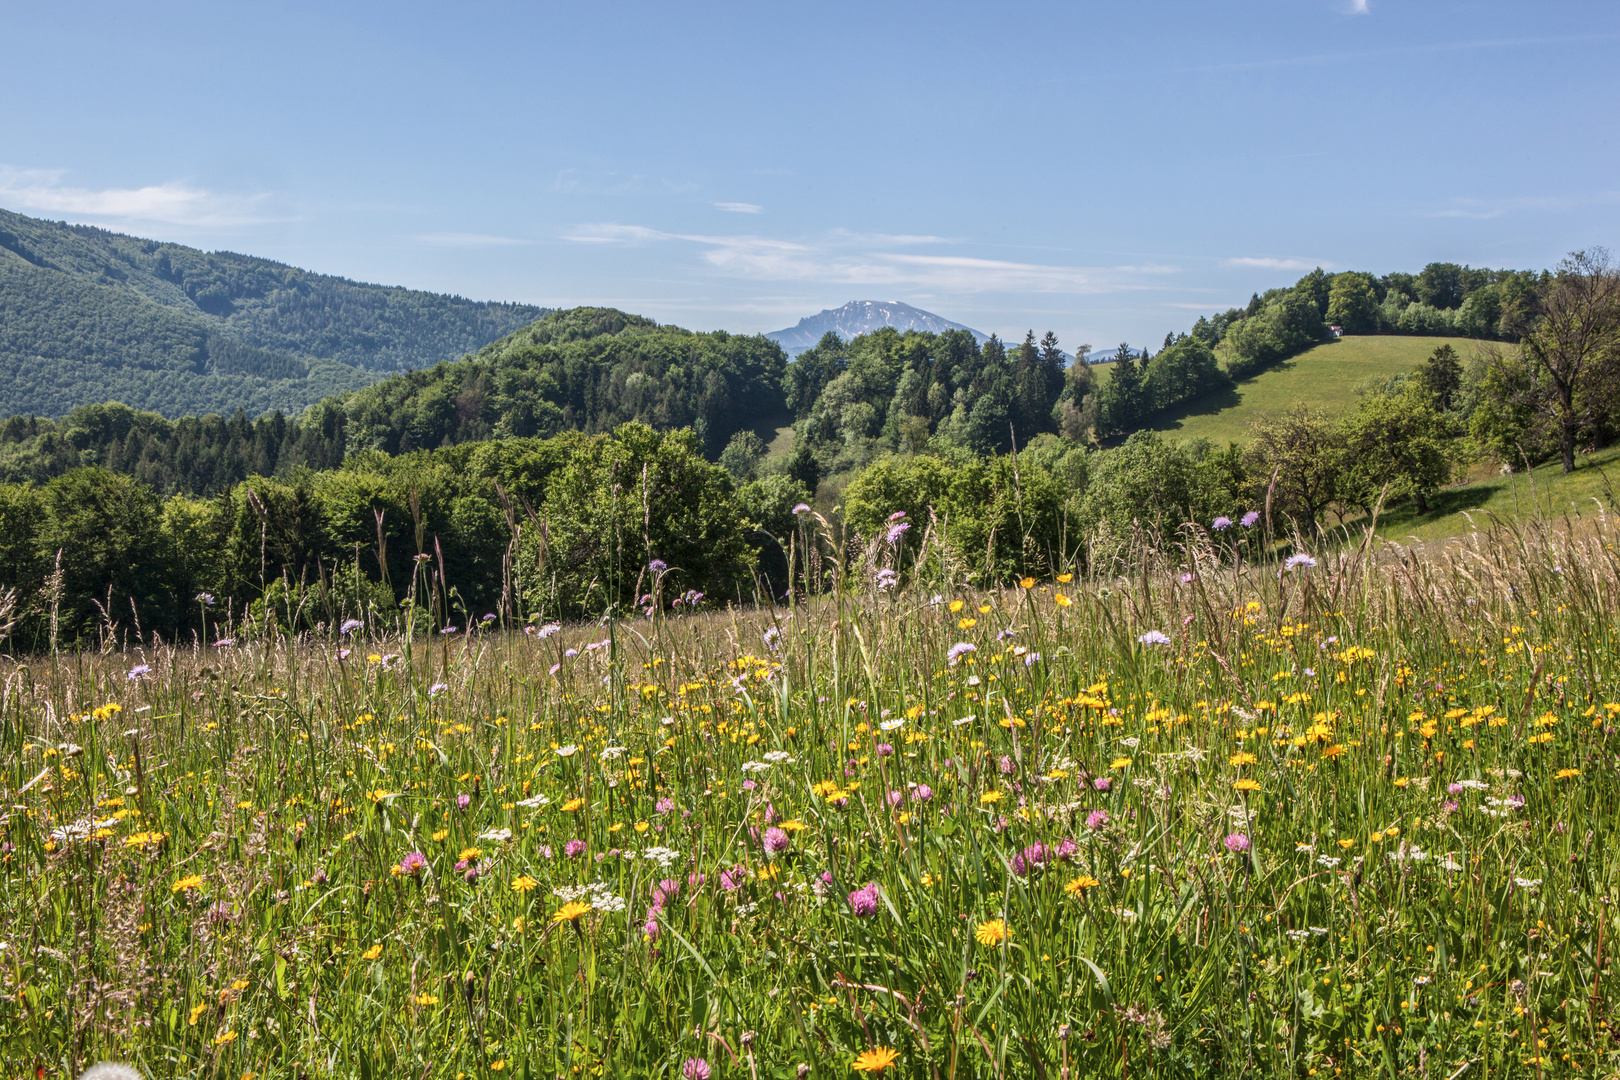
<point>89,315</point>
<point>594,458</point>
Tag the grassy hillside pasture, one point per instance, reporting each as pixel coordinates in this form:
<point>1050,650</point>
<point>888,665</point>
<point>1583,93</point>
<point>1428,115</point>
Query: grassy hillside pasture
<point>1543,492</point>
<point>1324,378</point>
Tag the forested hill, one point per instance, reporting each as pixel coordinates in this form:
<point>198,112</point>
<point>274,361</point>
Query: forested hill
<point>88,315</point>
<point>586,369</point>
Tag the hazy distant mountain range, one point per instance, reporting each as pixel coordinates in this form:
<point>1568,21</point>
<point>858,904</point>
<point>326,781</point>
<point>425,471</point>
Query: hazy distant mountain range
<point>862,317</point>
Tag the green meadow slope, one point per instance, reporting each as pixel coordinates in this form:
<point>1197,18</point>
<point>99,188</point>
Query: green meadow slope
<point>1324,378</point>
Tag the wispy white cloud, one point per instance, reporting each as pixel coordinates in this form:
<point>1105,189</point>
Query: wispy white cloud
<point>173,203</point>
<point>468,240</point>
<point>740,207</point>
<point>1481,209</point>
<point>1423,48</point>
<point>1357,7</point>
<point>847,258</point>
<point>1268,263</point>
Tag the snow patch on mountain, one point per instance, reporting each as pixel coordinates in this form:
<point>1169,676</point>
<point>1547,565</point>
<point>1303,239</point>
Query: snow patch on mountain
<point>863,317</point>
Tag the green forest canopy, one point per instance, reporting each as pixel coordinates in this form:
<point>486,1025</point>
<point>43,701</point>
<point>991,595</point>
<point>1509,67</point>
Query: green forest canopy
<point>91,315</point>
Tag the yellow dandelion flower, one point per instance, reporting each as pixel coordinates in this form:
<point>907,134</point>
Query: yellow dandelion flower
<point>438,836</point>
<point>1244,759</point>
<point>1120,763</point>
<point>224,1037</point>
<point>572,804</point>
<point>570,912</point>
<point>524,883</point>
<point>989,797</point>
<point>876,1059</point>
<point>1566,774</point>
<point>426,999</point>
<point>993,932</point>
<point>1078,885</point>
<point>186,884</point>
<point>469,854</point>
<point>1026,583</point>
<point>1247,785</point>
<point>373,952</point>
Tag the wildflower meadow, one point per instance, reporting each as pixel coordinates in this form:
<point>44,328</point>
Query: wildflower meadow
<point>1222,808</point>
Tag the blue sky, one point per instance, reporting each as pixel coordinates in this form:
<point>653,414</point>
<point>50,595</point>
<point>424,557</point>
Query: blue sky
<point>1108,171</point>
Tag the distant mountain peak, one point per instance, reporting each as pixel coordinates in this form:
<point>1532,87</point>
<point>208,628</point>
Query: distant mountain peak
<point>863,317</point>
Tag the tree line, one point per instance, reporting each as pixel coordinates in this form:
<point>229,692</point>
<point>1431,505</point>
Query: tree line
<point>524,528</point>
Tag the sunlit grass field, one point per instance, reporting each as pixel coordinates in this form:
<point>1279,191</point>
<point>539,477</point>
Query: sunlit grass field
<point>1324,378</point>
<point>1197,816</point>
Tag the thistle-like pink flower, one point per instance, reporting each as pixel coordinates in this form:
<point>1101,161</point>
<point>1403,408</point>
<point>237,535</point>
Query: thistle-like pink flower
<point>864,902</point>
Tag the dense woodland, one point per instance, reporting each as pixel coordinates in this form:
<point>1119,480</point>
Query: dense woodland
<point>91,315</point>
<point>595,459</point>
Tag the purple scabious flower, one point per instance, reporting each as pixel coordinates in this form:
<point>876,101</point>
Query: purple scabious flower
<point>1154,637</point>
<point>1221,524</point>
<point>138,670</point>
<point>1237,843</point>
<point>1030,859</point>
<point>887,579</point>
<point>1250,519</point>
<point>896,532</point>
<point>658,566</point>
<point>1097,820</point>
<point>436,689</point>
<point>776,841</point>
<point>864,902</point>
<point>350,626</point>
<point>1297,560</point>
<point>959,650</point>
<point>802,508</point>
